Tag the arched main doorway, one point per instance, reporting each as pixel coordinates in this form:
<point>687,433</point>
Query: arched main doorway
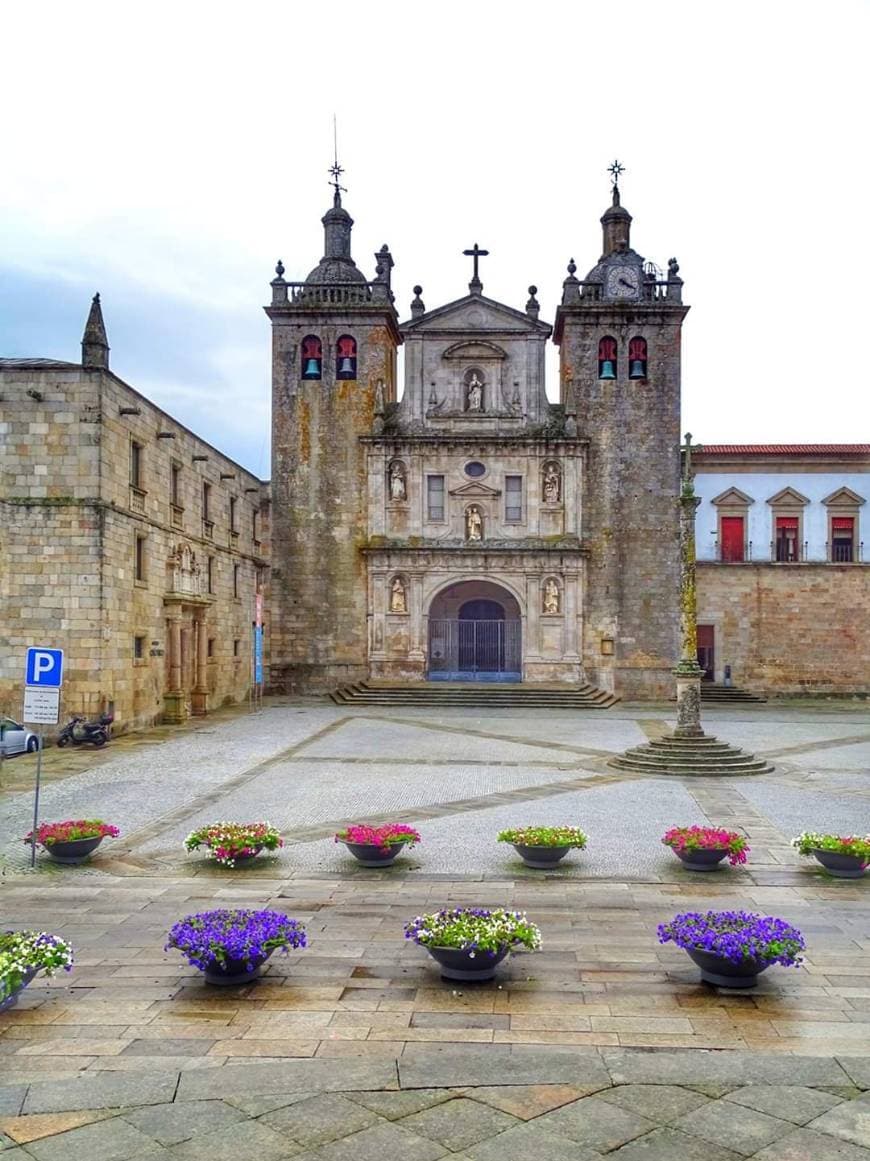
<point>475,634</point>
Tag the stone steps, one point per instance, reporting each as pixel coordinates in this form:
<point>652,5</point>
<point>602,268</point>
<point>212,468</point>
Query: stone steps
<point>474,696</point>
<point>716,694</point>
<point>704,756</point>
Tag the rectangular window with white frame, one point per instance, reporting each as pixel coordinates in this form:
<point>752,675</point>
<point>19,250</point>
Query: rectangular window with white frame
<point>435,499</point>
<point>513,499</point>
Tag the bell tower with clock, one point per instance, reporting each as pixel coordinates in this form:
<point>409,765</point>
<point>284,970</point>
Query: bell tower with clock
<point>618,332</point>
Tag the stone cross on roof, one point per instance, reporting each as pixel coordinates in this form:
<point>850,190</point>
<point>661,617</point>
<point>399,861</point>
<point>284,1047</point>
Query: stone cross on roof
<point>475,286</point>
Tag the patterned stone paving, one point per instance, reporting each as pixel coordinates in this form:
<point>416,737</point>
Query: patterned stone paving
<point>604,1044</point>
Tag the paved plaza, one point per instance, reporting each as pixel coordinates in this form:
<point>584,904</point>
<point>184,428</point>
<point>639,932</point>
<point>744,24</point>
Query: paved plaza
<point>603,1044</point>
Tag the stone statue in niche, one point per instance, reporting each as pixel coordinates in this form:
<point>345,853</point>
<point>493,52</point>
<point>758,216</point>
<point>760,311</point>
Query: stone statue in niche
<point>398,487</point>
<point>474,394</point>
<point>473,524</point>
<point>552,597</point>
<point>552,484</point>
<point>398,597</point>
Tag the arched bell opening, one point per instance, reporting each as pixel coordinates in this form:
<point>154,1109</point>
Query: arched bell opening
<point>475,634</point>
<point>607,362</point>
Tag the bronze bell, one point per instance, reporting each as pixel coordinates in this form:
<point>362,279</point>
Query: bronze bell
<point>312,369</point>
<point>346,366</point>
<point>607,370</point>
<point>637,369</point>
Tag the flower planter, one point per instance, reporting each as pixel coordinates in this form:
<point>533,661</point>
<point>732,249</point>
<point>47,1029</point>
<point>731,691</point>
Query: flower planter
<point>541,858</point>
<point>77,851</point>
<point>841,866</point>
<point>248,856</point>
<point>701,860</point>
<point>725,973</point>
<point>234,972</point>
<point>372,855</point>
<point>11,999</point>
<point>459,963</point>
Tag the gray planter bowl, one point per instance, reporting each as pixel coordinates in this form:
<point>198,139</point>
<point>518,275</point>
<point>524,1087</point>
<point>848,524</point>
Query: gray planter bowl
<point>723,972</point>
<point>233,972</point>
<point>12,999</point>
<point>77,851</point>
<point>458,964</point>
<point>701,860</point>
<point>371,855</point>
<point>841,866</point>
<point>541,858</point>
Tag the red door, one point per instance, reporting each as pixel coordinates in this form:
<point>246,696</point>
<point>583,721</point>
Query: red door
<point>705,649</point>
<point>732,538</point>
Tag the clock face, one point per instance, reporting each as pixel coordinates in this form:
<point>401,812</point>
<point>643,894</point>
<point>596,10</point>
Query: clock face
<point>623,282</point>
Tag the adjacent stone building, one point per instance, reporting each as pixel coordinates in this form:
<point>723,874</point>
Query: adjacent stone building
<point>127,541</point>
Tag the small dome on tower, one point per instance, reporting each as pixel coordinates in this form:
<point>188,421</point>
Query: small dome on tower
<point>336,265</point>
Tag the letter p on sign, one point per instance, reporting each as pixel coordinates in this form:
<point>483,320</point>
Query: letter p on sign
<point>44,668</point>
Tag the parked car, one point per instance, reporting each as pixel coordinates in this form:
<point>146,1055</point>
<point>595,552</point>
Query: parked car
<point>16,739</point>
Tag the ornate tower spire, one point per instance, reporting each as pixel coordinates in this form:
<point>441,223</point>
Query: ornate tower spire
<point>95,345</point>
<point>616,220</point>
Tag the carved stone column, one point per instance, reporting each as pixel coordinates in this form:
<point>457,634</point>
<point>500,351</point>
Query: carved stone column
<point>173,697</point>
<point>199,694</point>
<point>688,672</point>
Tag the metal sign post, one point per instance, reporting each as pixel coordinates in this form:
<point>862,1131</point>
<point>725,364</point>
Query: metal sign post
<point>43,675</point>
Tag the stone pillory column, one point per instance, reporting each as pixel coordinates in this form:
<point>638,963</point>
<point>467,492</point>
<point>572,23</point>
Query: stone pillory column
<point>688,750</point>
<point>688,672</point>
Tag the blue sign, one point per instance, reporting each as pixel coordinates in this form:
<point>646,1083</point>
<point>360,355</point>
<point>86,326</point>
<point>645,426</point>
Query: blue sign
<point>258,655</point>
<point>44,668</point>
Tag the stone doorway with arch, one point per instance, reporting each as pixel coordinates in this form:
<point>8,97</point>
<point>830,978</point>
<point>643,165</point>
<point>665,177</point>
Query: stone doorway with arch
<point>475,634</point>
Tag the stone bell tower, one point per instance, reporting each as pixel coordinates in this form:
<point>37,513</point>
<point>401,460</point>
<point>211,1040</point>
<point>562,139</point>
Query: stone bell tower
<point>619,332</point>
<point>334,341</point>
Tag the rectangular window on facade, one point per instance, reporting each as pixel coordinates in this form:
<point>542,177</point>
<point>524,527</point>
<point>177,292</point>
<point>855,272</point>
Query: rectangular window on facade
<point>236,575</point>
<point>209,574</point>
<point>233,506</point>
<point>211,646</point>
<point>138,648</point>
<point>787,548</point>
<point>255,526</point>
<point>237,647</point>
<point>435,497</point>
<point>174,484</point>
<point>843,538</point>
<point>135,464</point>
<point>140,563</point>
<point>206,501</point>
<point>731,538</point>
<point>513,498</point>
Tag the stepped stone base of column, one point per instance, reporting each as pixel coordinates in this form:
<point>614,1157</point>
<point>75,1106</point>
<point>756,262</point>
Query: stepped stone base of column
<point>704,755</point>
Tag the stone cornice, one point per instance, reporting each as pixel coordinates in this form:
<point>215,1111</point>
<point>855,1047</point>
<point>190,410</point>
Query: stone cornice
<point>567,545</point>
<point>552,443</point>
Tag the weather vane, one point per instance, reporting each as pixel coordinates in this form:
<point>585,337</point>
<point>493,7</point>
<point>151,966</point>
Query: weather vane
<point>616,170</point>
<point>335,169</point>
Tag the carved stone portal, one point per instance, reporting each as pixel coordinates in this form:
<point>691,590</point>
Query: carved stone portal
<point>398,596</point>
<point>183,573</point>
<point>552,597</point>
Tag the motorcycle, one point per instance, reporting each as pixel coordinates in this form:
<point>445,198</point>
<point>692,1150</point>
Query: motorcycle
<point>80,731</point>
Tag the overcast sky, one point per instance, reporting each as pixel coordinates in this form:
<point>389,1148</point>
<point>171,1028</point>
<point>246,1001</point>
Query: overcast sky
<point>167,154</point>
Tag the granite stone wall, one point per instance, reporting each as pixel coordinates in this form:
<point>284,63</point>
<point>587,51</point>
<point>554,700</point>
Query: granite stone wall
<point>789,628</point>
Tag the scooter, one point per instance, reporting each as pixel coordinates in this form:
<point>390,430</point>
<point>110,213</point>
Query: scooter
<point>79,731</point>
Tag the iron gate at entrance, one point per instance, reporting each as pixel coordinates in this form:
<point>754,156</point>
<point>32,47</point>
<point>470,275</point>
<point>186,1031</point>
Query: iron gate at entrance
<point>480,650</point>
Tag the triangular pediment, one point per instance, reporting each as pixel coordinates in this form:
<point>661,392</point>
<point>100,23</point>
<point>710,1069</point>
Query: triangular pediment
<point>475,491</point>
<point>788,498</point>
<point>732,497</point>
<point>473,313</point>
<point>844,498</point>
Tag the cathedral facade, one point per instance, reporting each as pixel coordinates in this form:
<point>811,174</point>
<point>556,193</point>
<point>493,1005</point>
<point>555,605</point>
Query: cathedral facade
<point>472,530</point>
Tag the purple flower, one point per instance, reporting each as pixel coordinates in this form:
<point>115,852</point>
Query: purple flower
<point>736,935</point>
<point>213,937</point>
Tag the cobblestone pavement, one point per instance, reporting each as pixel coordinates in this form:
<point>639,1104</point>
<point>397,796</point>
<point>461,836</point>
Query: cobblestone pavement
<point>602,1044</point>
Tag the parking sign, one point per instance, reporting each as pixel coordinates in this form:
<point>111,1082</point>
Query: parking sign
<point>44,668</point>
